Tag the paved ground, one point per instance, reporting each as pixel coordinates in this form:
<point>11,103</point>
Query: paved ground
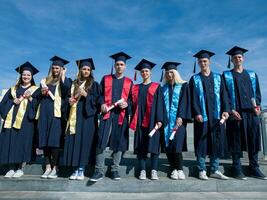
<point>134,196</point>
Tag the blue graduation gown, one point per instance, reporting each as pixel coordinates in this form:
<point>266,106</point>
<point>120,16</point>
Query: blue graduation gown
<point>143,144</point>
<point>110,133</point>
<point>50,128</point>
<point>79,148</point>
<point>210,136</point>
<point>244,135</point>
<point>16,144</point>
<point>179,144</point>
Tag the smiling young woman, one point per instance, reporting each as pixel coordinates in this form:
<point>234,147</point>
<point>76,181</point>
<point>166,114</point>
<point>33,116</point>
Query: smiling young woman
<point>17,108</point>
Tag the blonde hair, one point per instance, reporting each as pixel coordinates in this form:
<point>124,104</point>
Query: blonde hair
<point>50,79</point>
<point>177,77</point>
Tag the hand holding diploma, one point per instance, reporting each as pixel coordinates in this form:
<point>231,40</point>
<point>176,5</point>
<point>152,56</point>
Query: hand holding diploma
<point>157,126</point>
<point>179,122</point>
<point>47,91</point>
<point>225,116</point>
<point>115,104</point>
<point>256,108</point>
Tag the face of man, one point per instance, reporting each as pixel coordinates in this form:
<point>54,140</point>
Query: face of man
<point>86,71</point>
<point>56,71</point>
<point>237,60</point>
<point>120,67</point>
<point>145,73</point>
<point>204,63</point>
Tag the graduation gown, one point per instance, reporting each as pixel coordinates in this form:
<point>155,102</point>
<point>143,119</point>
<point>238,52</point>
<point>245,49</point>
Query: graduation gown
<point>16,144</point>
<point>50,128</point>
<point>79,148</point>
<point>179,144</point>
<point>244,135</point>
<point>110,133</point>
<point>209,136</point>
<point>144,144</point>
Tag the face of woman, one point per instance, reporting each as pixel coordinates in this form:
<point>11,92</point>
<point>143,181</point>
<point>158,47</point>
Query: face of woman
<point>145,73</point>
<point>169,75</point>
<point>26,77</point>
<point>56,70</point>
<point>86,71</point>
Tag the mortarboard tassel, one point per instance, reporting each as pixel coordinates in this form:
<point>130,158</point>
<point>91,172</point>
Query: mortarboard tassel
<point>111,69</point>
<point>135,75</point>
<point>161,77</point>
<point>194,71</point>
<point>229,63</point>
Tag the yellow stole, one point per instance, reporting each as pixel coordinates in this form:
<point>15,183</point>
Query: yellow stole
<point>72,115</point>
<point>57,103</point>
<point>21,110</point>
<point>73,112</point>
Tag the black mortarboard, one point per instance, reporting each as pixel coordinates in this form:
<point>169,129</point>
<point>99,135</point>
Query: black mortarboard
<point>121,56</point>
<point>27,66</point>
<point>58,61</point>
<point>234,51</point>
<point>86,62</point>
<point>144,64</point>
<point>202,54</point>
<point>168,66</point>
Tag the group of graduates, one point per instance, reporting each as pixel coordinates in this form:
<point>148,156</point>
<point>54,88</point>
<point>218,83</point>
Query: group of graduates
<point>81,118</point>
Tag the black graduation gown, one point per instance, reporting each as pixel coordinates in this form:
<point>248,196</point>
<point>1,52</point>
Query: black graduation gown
<point>179,144</point>
<point>79,148</point>
<point>110,133</point>
<point>16,144</point>
<point>143,144</point>
<point>244,135</point>
<point>51,129</point>
<point>210,136</point>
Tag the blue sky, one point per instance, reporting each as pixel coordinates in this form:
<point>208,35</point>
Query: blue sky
<point>158,30</point>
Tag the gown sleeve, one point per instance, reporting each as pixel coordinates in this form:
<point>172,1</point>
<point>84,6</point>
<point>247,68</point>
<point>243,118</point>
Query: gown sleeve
<point>6,104</point>
<point>184,109</point>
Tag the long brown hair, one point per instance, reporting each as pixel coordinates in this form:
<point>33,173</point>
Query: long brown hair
<point>19,82</point>
<point>89,81</point>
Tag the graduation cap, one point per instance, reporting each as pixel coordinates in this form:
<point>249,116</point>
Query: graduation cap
<point>235,51</point>
<point>86,62</point>
<point>202,54</point>
<point>168,66</point>
<point>27,66</point>
<point>121,56</point>
<point>143,64</point>
<point>58,61</point>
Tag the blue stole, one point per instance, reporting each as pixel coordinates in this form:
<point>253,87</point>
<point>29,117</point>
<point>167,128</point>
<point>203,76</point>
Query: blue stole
<point>171,109</point>
<point>200,91</point>
<point>229,79</point>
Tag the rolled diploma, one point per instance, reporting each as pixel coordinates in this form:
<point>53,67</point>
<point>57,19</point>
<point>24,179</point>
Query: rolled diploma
<point>81,87</point>
<point>222,120</point>
<point>153,130</point>
<point>173,132</point>
<point>43,84</point>
<point>115,104</point>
